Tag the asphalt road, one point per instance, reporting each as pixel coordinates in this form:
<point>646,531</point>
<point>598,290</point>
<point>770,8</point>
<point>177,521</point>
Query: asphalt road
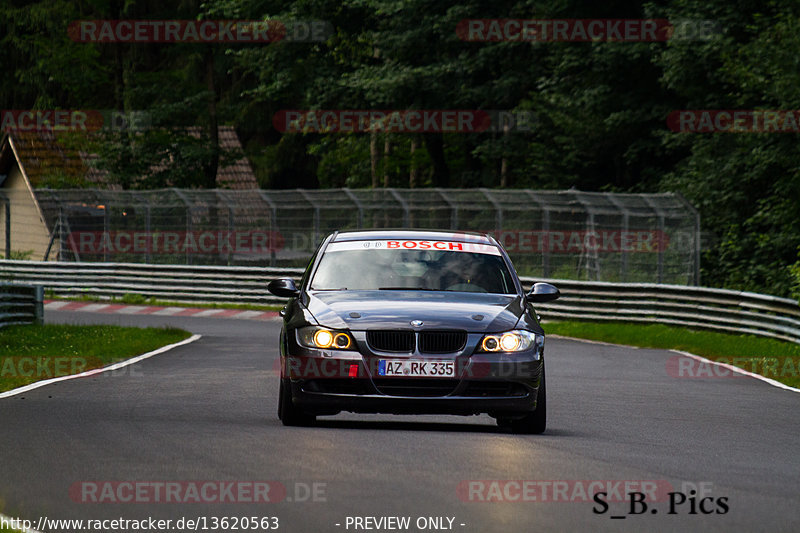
<point>206,411</point>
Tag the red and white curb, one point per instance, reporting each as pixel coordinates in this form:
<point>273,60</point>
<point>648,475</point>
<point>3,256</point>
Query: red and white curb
<point>91,307</point>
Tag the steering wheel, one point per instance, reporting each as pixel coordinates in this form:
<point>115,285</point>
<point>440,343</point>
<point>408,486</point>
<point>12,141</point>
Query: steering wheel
<point>465,287</point>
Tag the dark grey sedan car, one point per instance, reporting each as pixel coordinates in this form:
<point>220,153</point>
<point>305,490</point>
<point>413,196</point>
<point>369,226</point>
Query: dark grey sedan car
<point>407,321</point>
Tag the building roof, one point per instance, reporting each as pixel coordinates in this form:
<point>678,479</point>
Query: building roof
<point>43,154</point>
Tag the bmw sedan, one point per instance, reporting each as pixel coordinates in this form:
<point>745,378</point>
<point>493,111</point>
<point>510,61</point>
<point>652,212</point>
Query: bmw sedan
<point>412,322</point>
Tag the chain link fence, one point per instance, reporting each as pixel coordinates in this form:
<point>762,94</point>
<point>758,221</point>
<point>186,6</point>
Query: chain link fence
<point>550,234</point>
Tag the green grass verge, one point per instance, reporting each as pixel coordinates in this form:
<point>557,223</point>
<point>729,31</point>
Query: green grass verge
<point>33,353</point>
<point>771,358</point>
<point>9,516</point>
<point>138,299</point>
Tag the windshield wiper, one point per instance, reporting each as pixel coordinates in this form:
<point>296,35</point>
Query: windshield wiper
<point>336,289</point>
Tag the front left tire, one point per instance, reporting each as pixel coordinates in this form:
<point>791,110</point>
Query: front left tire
<point>533,423</point>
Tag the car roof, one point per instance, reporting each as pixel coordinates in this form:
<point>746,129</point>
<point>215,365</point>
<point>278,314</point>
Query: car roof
<point>413,234</point>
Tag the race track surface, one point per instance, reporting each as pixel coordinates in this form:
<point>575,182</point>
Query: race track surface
<point>207,412</point>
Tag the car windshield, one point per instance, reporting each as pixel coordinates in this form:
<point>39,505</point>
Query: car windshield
<point>413,265</point>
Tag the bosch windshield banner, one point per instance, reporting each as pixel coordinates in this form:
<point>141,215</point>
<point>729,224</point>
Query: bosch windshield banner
<point>404,244</point>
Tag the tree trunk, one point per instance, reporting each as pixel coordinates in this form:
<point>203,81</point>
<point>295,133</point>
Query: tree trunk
<point>434,143</point>
<point>373,157</point>
<point>504,160</point>
<point>213,126</point>
<point>210,169</point>
<point>387,152</point>
<point>413,174</point>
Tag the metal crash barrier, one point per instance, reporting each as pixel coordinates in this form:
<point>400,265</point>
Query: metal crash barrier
<point>21,304</point>
<point>716,309</point>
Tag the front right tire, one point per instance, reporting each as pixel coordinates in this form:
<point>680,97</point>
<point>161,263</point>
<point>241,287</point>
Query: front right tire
<point>288,413</point>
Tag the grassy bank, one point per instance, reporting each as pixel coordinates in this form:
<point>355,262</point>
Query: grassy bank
<point>34,353</point>
<point>772,358</point>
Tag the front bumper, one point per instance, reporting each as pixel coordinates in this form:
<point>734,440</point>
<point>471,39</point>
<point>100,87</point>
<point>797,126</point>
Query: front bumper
<point>497,384</point>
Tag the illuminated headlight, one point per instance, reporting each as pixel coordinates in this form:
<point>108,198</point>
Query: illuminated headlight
<point>510,341</point>
<point>328,339</point>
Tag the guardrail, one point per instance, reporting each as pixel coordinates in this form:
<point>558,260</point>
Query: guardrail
<point>180,283</point>
<point>21,304</point>
<point>716,309</point>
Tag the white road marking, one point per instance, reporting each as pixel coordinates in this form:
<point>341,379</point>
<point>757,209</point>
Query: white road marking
<point>695,357</point>
<point>247,314</point>
<point>169,311</point>
<point>116,366</point>
<point>56,305</point>
<point>739,371</point>
<point>93,307</point>
<point>209,312</point>
<point>132,309</point>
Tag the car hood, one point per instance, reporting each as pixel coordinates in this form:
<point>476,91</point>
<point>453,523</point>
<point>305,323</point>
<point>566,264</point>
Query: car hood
<point>363,310</point>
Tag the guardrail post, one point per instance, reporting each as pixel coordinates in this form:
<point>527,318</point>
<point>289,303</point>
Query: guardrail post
<point>38,305</point>
<point>8,225</point>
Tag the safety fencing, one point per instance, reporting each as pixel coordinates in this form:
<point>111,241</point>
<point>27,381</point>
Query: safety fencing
<point>21,304</point>
<point>614,237</point>
<point>716,309</point>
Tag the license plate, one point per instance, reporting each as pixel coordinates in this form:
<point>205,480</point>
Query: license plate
<point>416,369</point>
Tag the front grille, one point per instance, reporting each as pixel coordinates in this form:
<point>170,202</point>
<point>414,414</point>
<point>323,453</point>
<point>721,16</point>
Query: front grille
<point>442,341</point>
<point>416,387</point>
<point>391,341</point>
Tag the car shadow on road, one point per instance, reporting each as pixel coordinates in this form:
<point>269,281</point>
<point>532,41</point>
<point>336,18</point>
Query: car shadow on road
<point>443,427</point>
<point>409,426</point>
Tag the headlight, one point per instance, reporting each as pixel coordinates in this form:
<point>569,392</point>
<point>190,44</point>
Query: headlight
<point>510,341</point>
<point>328,339</point>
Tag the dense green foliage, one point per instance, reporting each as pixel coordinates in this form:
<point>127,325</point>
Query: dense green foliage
<point>601,107</point>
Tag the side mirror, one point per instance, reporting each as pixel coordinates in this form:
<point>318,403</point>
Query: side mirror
<point>542,292</point>
<point>285,288</point>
